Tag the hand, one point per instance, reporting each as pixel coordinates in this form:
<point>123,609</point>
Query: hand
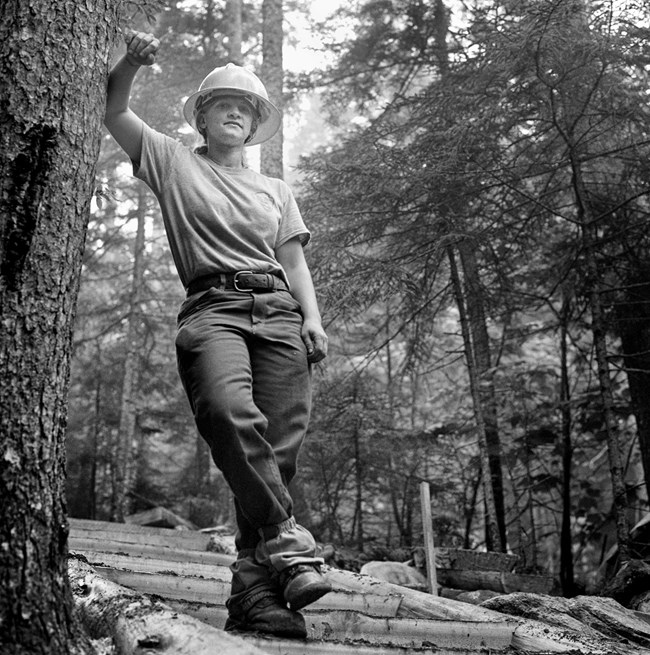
<point>141,48</point>
<point>316,341</point>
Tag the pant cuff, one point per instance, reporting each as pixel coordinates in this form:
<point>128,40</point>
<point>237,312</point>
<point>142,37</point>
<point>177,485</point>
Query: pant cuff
<point>268,532</point>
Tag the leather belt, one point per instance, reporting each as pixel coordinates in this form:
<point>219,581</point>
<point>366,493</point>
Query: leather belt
<point>240,281</point>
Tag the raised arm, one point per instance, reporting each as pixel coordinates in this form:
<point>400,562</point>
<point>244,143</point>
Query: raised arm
<point>121,122</point>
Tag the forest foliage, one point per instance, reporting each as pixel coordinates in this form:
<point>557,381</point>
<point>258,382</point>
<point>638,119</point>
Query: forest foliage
<point>479,212</point>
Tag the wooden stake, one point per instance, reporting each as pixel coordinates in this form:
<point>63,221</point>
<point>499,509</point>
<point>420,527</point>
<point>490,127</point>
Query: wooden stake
<point>427,527</point>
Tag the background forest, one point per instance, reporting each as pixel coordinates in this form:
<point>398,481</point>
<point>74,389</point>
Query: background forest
<point>476,178</point>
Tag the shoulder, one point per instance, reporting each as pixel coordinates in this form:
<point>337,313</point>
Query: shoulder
<point>159,141</point>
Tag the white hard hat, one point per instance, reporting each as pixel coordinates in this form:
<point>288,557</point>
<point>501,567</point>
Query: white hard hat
<point>235,80</point>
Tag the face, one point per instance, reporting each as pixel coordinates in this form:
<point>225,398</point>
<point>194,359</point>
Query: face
<point>227,120</point>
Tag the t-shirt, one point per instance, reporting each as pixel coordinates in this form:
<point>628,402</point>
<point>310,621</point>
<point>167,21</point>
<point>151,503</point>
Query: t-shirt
<point>217,219</point>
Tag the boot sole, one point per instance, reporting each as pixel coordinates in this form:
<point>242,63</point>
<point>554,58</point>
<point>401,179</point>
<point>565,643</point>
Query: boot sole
<point>264,628</point>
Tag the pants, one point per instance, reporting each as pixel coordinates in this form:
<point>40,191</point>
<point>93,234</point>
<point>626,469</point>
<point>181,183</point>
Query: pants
<point>244,367</point>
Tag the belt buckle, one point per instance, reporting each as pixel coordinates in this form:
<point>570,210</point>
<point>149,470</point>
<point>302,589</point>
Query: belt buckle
<point>235,278</point>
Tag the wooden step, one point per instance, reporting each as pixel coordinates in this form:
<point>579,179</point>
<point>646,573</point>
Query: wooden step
<point>380,633</point>
<point>206,583</point>
<point>126,533</point>
<point>361,615</point>
<point>215,591</point>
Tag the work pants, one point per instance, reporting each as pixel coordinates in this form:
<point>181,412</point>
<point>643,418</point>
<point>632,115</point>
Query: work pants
<point>244,367</point>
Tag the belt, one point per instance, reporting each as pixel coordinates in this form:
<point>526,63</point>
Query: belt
<point>240,281</point>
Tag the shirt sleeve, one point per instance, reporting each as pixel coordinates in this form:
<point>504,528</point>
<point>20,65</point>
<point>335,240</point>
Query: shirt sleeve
<point>291,224</point>
<point>158,152</point>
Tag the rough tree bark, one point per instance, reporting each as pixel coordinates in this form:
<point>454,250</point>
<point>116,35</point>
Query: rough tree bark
<point>53,62</point>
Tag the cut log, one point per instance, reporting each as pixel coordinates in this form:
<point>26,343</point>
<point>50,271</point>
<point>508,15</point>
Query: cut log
<point>474,560</point>
<point>500,581</point>
<point>130,533</point>
<point>213,591</point>
<point>416,604</point>
<point>361,613</point>
<point>139,625</point>
<point>354,616</point>
<point>587,623</point>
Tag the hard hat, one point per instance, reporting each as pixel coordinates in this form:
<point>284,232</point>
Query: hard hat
<point>235,80</point>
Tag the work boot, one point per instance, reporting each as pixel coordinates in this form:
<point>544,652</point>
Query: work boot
<point>303,584</point>
<point>268,615</point>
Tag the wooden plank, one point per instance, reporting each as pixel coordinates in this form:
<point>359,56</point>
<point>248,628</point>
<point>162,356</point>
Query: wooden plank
<point>138,534</point>
<point>415,633</point>
<point>427,528</point>
<point>215,591</point>
<point>192,590</point>
<point>154,565</point>
<point>296,647</point>
<point>171,555</point>
<point>135,533</point>
<point>377,632</point>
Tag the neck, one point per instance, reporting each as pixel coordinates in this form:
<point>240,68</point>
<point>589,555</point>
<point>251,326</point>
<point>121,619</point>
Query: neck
<point>228,156</point>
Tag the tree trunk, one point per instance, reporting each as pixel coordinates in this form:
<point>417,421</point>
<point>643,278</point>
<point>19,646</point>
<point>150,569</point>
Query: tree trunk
<point>566,538</point>
<point>358,477</point>
<point>486,393</point>
<point>233,22</point>
<point>491,514</point>
<point>633,316</point>
<point>599,330</point>
<point>53,63</point>
<point>124,467</point>
<point>272,74</point>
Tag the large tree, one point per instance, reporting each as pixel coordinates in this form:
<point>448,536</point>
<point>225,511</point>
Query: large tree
<point>53,63</point>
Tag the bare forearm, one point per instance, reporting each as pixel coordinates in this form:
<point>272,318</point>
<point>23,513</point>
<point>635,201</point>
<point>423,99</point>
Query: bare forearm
<point>120,83</point>
<point>302,288</point>
<point>121,122</point>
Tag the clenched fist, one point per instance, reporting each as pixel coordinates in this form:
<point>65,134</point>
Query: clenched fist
<point>141,48</point>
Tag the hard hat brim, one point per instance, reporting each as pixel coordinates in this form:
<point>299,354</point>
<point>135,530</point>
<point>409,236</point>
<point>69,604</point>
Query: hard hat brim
<point>269,121</point>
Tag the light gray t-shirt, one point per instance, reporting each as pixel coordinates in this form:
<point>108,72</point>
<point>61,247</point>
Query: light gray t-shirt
<point>217,219</point>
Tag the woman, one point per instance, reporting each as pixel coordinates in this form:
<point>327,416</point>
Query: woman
<point>249,328</point>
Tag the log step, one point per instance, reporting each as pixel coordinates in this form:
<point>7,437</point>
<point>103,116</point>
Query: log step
<point>132,534</point>
<point>361,615</point>
<point>215,591</point>
<point>378,633</point>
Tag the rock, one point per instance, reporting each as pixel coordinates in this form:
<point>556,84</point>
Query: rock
<point>396,573</point>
